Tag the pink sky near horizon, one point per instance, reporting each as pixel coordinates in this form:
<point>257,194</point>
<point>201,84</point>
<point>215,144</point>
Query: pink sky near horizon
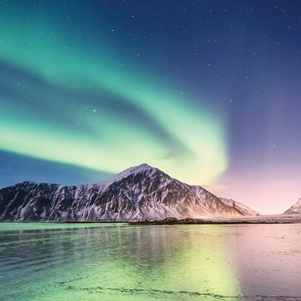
<point>265,196</point>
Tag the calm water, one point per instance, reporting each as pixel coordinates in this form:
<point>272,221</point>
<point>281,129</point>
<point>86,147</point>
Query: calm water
<point>122,262</point>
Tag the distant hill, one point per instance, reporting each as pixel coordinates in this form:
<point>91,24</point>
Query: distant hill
<point>295,209</point>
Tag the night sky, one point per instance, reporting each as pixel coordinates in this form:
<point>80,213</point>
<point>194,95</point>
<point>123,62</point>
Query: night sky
<point>208,91</point>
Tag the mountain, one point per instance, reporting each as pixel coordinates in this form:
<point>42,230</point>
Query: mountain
<point>241,208</point>
<point>295,209</point>
<point>138,193</point>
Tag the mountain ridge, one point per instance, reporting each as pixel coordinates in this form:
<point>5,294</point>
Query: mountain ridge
<point>138,193</point>
<point>240,207</point>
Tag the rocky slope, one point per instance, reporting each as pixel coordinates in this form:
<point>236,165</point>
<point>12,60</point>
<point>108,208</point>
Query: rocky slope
<point>241,208</point>
<point>295,209</point>
<point>138,193</point>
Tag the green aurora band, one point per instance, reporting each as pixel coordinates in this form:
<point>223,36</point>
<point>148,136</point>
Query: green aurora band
<point>195,153</point>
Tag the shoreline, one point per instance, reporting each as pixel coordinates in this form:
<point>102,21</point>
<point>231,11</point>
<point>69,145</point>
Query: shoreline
<point>262,219</point>
<point>286,219</point>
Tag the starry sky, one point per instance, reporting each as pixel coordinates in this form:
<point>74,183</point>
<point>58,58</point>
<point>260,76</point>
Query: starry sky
<point>208,91</point>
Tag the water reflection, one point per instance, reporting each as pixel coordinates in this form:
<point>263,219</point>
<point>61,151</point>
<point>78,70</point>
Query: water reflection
<point>269,259</point>
<point>121,262</point>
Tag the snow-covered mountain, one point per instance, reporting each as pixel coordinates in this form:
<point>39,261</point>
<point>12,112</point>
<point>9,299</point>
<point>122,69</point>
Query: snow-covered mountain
<point>241,208</point>
<point>295,209</point>
<point>138,193</point>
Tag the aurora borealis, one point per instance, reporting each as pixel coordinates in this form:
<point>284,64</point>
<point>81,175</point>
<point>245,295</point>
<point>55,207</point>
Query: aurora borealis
<point>207,91</point>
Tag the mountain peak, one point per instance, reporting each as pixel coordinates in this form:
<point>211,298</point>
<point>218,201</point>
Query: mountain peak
<point>138,168</point>
<point>135,169</point>
<point>132,170</point>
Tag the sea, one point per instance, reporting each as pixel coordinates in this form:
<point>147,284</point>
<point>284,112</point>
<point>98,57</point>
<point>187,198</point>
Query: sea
<point>118,261</point>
